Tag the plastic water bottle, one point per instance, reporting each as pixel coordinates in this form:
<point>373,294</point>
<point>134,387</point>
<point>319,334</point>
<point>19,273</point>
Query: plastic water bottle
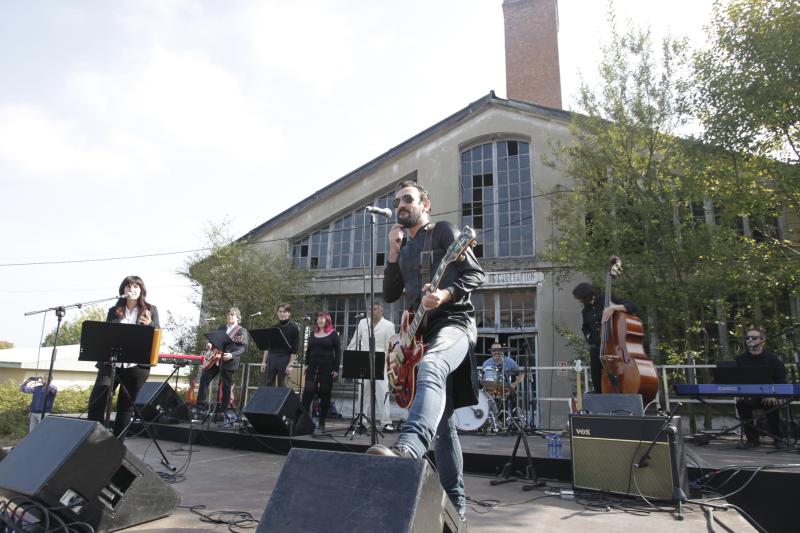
<point>558,449</point>
<point>551,445</point>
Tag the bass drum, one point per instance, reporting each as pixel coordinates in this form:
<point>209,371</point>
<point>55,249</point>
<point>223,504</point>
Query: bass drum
<point>473,417</point>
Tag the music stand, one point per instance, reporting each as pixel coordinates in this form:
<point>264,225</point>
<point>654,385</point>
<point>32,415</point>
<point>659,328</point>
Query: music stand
<point>112,342</point>
<point>267,338</point>
<point>356,365</point>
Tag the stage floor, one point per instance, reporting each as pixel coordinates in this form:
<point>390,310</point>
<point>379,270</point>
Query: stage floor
<point>230,480</point>
<point>235,470</point>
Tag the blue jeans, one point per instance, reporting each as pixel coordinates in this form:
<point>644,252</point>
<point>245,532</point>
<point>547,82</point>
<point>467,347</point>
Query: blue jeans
<point>430,421</point>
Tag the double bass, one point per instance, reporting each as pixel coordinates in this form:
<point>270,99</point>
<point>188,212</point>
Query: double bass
<point>626,368</point>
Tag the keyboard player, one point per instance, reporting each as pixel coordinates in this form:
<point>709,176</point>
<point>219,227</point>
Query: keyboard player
<point>756,356</point>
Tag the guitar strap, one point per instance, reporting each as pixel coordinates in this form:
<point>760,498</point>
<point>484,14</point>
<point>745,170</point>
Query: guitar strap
<point>234,332</point>
<point>426,255</point>
<point>426,261</point>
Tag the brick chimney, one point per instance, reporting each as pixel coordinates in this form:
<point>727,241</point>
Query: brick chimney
<point>532,72</point>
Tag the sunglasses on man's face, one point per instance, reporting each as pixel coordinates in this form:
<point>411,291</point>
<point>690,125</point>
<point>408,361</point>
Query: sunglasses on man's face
<point>753,338</point>
<point>406,198</point>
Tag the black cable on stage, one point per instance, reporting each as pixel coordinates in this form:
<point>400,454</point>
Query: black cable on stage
<point>233,519</point>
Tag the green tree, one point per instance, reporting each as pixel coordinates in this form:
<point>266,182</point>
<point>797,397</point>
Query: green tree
<point>748,78</point>
<point>676,210</point>
<point>236,273</point>
<point>70,332</point>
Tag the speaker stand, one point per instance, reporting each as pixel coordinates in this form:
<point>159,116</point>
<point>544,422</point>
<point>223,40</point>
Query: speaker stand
<point>530,472</point>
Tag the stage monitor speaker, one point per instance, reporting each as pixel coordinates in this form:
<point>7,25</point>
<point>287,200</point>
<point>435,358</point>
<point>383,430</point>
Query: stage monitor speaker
<point>613,404</point>
<point>277,411</point>
<point>158,402</point>
<point>320,490</point>
<point>80,471</point>
<point>606,448</point>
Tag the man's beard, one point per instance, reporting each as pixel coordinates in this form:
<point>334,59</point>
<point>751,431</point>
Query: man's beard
<point>410,220</point>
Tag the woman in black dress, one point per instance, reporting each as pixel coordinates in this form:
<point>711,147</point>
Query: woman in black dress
<point>323,358</point>
<point>131,308</point>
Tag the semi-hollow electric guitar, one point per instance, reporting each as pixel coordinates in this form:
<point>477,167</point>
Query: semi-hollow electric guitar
<point>406,349</point>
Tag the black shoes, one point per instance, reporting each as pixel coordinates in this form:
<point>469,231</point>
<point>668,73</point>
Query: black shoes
<point>394,451</point>
<point>748,445</point>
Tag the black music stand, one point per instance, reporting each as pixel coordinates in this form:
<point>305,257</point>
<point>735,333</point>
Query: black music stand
<point>110,343</point>
<point>220,341</point>
<point>268,338</point>
<point>356,365</point>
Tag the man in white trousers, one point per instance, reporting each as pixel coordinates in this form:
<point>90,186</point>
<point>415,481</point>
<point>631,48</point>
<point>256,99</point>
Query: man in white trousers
<point>360,341</point>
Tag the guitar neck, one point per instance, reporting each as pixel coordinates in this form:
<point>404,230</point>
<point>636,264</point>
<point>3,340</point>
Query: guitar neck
<point>420,314</point>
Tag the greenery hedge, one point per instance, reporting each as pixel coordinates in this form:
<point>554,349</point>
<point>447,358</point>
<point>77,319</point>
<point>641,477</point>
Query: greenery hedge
<point>14,407</point>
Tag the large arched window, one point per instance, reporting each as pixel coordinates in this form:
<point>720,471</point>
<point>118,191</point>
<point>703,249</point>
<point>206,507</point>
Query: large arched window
<point>497,197</point>
<point>345,242</point>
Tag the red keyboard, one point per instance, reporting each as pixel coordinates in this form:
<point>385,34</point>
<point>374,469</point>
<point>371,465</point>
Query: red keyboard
<point>180,359</point>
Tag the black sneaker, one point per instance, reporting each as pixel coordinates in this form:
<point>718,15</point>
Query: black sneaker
<point>394,451</point>
<point>748,445</point>
<point>780,444</point>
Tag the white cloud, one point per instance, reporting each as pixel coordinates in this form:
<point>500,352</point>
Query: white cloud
<point>184,101</point>
<point>308,42</point>
<point>48,148</point>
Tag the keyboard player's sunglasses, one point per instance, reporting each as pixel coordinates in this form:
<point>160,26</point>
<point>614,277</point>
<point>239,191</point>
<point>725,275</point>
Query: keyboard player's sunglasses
<point>753,338</point>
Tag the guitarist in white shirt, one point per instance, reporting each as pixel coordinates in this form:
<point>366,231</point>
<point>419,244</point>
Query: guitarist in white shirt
<point>447,373</point>
<point>384,329</point>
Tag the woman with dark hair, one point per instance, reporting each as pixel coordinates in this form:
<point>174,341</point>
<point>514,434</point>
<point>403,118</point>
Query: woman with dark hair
<point>131,308</point>
<point>593,316</point>
<point>323,358</point>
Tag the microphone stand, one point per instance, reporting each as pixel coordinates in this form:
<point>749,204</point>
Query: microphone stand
<point>529,426</point>
<point>677,492</point>
<point>60,311</point>
<point>373,430</point>
<point>360,381</point>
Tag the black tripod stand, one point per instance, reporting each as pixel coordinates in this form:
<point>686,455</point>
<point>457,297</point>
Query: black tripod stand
<point>357,366</point>
<point>358,426</point>
<point>529,475</point>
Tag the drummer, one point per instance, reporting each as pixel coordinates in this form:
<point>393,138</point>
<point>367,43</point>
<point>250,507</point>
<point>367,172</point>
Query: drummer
<point>499,364</point>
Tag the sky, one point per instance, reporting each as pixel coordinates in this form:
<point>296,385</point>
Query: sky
<point>127,127</point>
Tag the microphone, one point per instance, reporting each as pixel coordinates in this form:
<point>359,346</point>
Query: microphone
<point>386,212</point>
<point>359,316</point>
<point>210,319</point>
<point>255,314</point>
<point>307,317</point>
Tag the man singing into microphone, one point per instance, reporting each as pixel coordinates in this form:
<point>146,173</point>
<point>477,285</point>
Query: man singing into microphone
<point>447,374</point>
<point>757,356</point>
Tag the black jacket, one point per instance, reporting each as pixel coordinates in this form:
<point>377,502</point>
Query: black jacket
<point>236,348</point>
<point>460,278</point>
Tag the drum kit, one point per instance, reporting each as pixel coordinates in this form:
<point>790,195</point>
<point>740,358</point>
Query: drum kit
<point>497,404</point>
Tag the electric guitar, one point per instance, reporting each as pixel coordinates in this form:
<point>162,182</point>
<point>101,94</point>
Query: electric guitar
<point>406,349</point>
